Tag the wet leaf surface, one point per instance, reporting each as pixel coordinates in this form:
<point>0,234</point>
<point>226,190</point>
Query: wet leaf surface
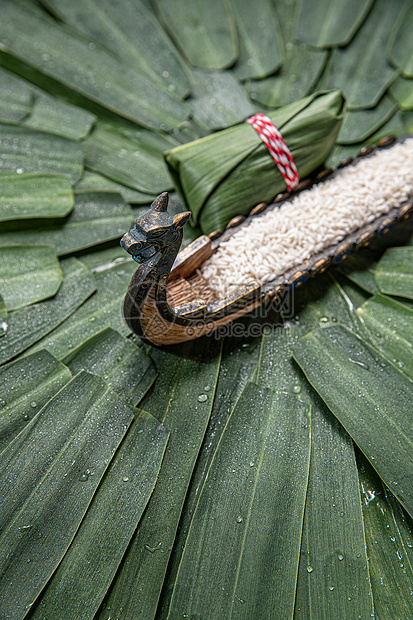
<point>369,396</point>
<point>28,325</point>
<point>182,404</point>
<point>262,459</point>
<point>26,386</point>
<point>394,272</point>
<point>30,195</point>
<point>108,526</point>
<point>69,445</point>
<point>27,150</point>
<point>95,218</point>
<point>129,372</point>
<point>390,325</point>
<point>17,264</point>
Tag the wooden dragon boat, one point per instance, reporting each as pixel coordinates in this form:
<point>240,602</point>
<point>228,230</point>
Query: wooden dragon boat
<point>168,300</point>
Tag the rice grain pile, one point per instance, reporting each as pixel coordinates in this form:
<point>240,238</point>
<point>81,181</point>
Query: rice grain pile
<point>314,220</point>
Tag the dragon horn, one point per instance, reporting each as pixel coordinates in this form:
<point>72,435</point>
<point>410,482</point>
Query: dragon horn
<point>160,204</point>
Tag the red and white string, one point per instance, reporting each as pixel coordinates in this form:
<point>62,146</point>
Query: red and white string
<point>278,149</point>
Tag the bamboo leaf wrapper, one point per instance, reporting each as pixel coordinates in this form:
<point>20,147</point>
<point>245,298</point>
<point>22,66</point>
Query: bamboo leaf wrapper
<point>229,172</point>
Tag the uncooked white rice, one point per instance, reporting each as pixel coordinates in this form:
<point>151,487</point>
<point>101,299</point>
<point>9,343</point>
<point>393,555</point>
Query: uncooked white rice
<point>314,220</point>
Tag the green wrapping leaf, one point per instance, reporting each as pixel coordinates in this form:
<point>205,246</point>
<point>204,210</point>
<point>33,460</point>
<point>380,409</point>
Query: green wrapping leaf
<point>96,218</point>
<point>369,396</point>
<point>17,264</point>
<point>129,372</point>
<point>16,98</point>
<point>390,325</point>
<point>68,445</point>
<point>229,172</point>
<point>104,309</point>
<point>94,182</point>
<point>394,272</point>
<point>131,31</point>
<point>25,386</point>
<point>358,125</point>
<point>205,32</point>
<point>333,555</point>
<point>361,70</point>
<point>402,91</point>
<point>327,23</point>
<point>259,39</point>
<point>218,100</point>
<point>400,48</point>
<point>32,36</point>
<point>179,403</point>
<point>131,157</point>
<point>262,460</point>
<point>27,150</point>
<point>238,364</point>
<point>29,195</point>
<point>59,117</point>
<point>389,538</point>
<point>108,525</point>
<point>28,325</point>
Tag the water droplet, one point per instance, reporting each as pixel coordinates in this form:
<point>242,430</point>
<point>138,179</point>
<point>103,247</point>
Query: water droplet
<point>2,403</point>
<point>207,388</point>
<point>92,319</point>
<point>309,569</point>
<point>125,479</point>
<point>19,170</point>
<point>251,463</point>
<point>323,319</point>
<point>85,475</point>
<point>153,549</point>
<point>33,404</point>
<point>239,519</point>
<point>297,389</point>
<point>202,398</point>
<point>331,588</point>
<point>165,74</point>
<point>361,364</point>
<point>341,557</point>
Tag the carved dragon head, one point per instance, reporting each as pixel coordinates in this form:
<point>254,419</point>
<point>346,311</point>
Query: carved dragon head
<point>155,231</point>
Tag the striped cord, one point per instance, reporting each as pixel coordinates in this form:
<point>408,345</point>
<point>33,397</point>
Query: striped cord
<point>278,149</point>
